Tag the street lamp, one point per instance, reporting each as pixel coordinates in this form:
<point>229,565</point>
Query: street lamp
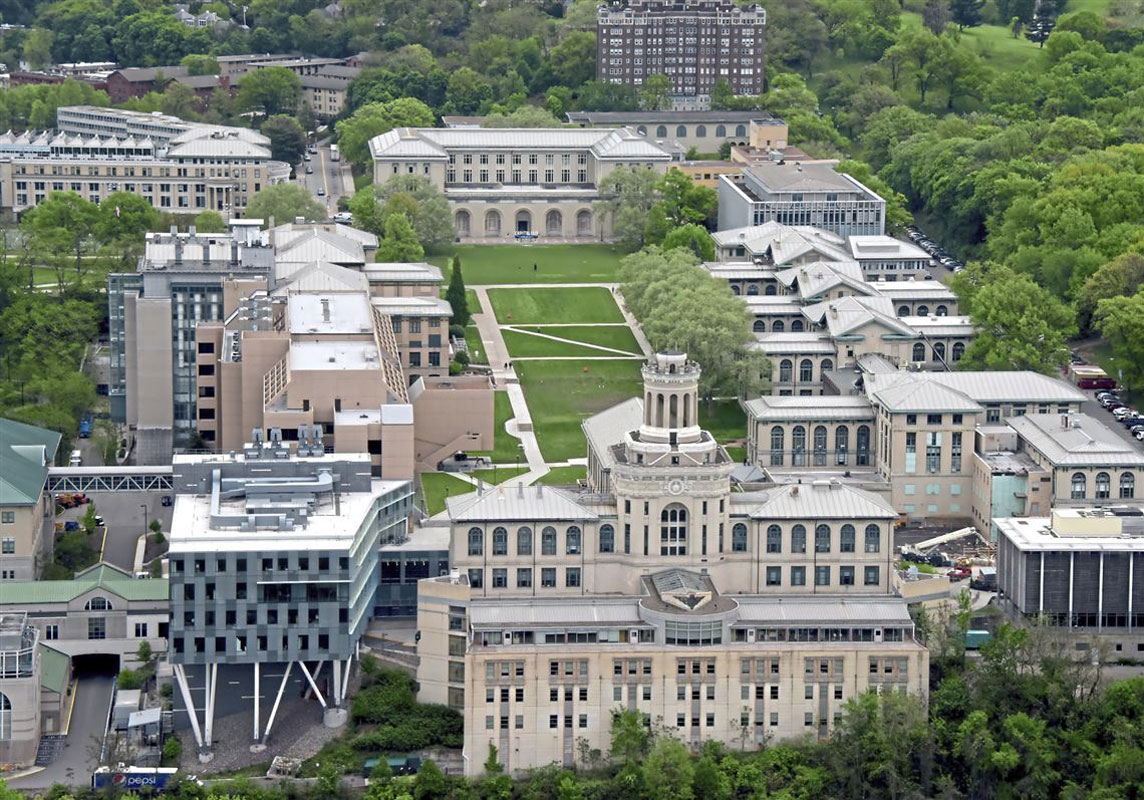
<point>143,508</point>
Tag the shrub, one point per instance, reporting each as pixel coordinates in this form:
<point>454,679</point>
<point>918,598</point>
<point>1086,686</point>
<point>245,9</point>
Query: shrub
<point>462,358</point>
<point>129,679</point>
<point>172,748</point>
<point>457,331</point>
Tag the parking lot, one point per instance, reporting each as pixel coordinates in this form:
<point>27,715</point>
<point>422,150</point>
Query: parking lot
<point>126,516</point>
<point>944,263</point>
<point>1106,418</point>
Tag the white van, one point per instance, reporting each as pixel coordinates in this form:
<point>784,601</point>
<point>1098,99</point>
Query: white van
<point>76,459</point>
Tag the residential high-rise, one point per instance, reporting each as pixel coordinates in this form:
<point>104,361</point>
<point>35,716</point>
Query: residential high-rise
<point>692,42</point>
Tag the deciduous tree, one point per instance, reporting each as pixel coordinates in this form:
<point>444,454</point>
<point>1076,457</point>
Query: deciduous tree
<point>400,242</point>
<point>287,139</point>
<point>270,90</point>
<point>285,203</point>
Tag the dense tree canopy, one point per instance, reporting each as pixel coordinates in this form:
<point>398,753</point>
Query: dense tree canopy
<point>285,203</point>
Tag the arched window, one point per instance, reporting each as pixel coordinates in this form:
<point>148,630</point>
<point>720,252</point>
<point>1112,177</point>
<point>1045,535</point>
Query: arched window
<point>777,436</point>
<point>462,221</point>
<point>661,130</point>
<point>778,326</point>
<point>572,541</point>
<point>903,311</point>
<point>798,446</point>
<point>720,130</point>
<point>923,311</point>
<point>524,542</point>
<point>786,368</point>
<point>642,130</point>
<point>548,541</point>
<point>735,290</point>
<point>607,539</point>
<point>939,351</point>
<point>1127,486</point>
<point>796,325</point>
<point>583,223</point>
<point>863,446</point>
<point>1103,486</point>
<point>524,221</point>
<point>820,445</point>
<point>680,131</point>
<point>1079,486</point>
<point>798,539</point>
<point>958,351</point>
<point>673,530</point>
<point>806,370</point>
<point>846,539</point>
<point>759,326</point>
<point>822,539</point>
<point>5,717</point>
<point>739,538</point>
<point>873,538</point>
<point>919,353</point>
<point>841,444</point>
<point>826,365</point>
<point>701,131</point>
<point>942,311</point>
<point>774,539</point>
<point>753,290</point>
<point>476,542</point>
<point>740,130</point>
<point>554,223</point>
<point>492,222</point>
<point>770,290</point>
<point>500,542</point>
<point>97,603</point>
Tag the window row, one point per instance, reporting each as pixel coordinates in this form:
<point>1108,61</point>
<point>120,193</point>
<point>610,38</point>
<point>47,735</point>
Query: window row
<point>823,539</point>
<point>1079,486</point>
<point>871,576</point>
<point>524,578</point>
<point>819,455</point>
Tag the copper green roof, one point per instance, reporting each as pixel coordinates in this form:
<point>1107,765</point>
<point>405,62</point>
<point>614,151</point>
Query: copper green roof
<point>26,452</point>
<point>55,669</point>
<point>114,581</point>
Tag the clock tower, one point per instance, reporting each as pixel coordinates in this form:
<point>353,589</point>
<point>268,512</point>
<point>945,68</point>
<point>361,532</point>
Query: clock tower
<point>671,478</point>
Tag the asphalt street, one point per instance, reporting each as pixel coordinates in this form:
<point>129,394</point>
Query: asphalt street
<point>327,176</point>
<point>76,761</point>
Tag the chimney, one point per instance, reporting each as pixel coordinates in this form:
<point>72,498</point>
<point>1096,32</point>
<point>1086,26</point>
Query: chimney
<point>178,250</point>
<point>234,252</point>
<point>325,309</point>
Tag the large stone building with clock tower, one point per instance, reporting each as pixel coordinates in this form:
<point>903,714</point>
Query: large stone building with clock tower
<point>737,616</point>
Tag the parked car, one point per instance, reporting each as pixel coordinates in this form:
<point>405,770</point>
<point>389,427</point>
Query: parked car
<point>305,156</point>
<point>1122,412</point>
<point>321,192</point>
<point>1132,420</point>
<point>343,218</point>
<point>959,573</point>
<point>1113,406</point>
<point>1140,436</point>
<point>168,500</point>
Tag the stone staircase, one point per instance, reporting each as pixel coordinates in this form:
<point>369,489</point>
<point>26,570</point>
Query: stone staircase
<point>49,748</point>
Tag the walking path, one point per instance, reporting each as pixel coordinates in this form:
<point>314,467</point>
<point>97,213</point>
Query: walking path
<point>500,363</point>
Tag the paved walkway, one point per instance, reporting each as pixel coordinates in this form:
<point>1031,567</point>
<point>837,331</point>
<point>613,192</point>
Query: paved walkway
<point>562,340</point>
<point>520,425</point>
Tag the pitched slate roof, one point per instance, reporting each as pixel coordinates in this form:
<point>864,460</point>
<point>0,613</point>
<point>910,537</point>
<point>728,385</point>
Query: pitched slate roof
<point>1085,442</point>
<point>822,500</point>
<point>26,452</point>
<point>522,504</point>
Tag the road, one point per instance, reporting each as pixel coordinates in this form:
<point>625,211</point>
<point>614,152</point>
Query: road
<point>327,176</point>
<point>1097,412</point>
<point>76,761</point>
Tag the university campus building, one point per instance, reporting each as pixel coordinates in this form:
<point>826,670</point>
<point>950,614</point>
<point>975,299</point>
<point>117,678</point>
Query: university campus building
<point>693,42</point>
<point>503,181</point>
<point>27,513</point>
<point>740,617</point>
<point>100,151</point>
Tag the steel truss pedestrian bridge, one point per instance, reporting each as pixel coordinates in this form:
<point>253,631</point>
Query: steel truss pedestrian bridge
<point>109,479</point>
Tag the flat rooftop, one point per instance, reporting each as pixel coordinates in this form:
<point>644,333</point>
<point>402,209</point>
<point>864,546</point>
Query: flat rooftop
<point>329,313</point>
<point>334,356</point>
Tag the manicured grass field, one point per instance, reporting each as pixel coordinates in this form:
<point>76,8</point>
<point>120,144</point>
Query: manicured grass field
<point>555,263</point>
<point>725,420</point>
<point>505,447</point>
<point>477,353</point>
<point>563,476</point>
<point>994,43</point>
<point>436,486</point>
<point>619,337</point>
<point>561,394</point>
<point>522,306</point>
<point>525,345</point>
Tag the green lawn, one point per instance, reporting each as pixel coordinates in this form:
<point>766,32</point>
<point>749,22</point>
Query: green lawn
<point>725,420</point>
<point>525,345</point>
<point>505,447</point>
<point>555,263</point>
<point>523,306</point>
<point>994,43</point>
<point>563,476</point>
<point>436,486</point>
<point>561,394</point>
<point>498,474</point>
<point>737,454</point>
<point>477,353</point>
<point>619,337</point>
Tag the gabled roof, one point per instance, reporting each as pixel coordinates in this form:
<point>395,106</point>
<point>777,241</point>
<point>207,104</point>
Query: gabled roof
<point>812,280</point>
<point>822,500</point>
<point>26,452</point>
<point>823,407</point>
<point>785,242</point>
<point>909,393</point>
<point>321,276</point>
<point>104,577</point>
<point>517,504</point>
<point>847,314</point>
<point>320,245</point>
<point>437,143</point>
<point>1085,442</point>
<point>608,427</point>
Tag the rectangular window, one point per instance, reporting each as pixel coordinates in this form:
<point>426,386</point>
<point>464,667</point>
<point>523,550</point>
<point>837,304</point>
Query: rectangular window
<point>774,576</point>
<point>8,517</point>
<point>96,628</point>
<point>140,630</point>
<point>872,576</point>
<point>524,578</point>
<point>8,545</point>
<point>798,576</point>
<point>572,577</point>
<point>822,576</point>
<point>52,632</point>
<point>846,576</point>
<point>548,577</point>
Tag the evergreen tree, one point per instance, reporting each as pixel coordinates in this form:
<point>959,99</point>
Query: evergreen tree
<point>456,296</point>
<point>966,13</point>
<point>400,242</point>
